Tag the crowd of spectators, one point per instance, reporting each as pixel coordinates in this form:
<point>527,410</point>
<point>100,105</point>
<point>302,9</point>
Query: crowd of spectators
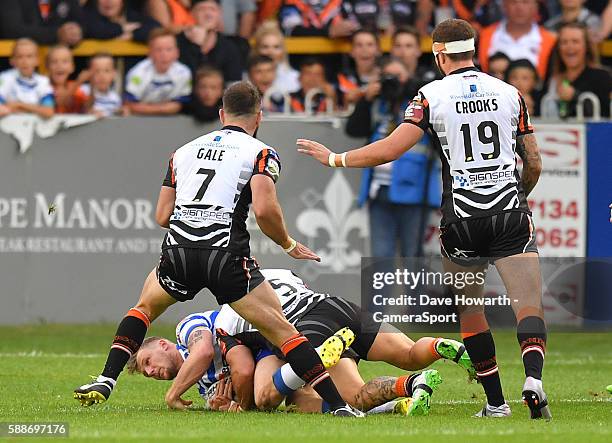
<point>546,48</point>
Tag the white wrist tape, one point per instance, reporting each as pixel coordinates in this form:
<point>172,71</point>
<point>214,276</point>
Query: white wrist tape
<point>291,246</point>
<point>331,160</point>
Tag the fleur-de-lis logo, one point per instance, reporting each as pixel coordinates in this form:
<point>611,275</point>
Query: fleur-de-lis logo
<point>338,219</point>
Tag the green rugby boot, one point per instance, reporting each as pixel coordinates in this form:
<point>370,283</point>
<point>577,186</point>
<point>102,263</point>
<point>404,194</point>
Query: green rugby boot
<point>454,350</point>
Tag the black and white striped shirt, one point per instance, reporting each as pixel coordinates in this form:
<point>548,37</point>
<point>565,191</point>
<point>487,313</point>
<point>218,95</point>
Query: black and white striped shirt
<point>295,296</point>
<point>211,175</point>
<point>474,120</point>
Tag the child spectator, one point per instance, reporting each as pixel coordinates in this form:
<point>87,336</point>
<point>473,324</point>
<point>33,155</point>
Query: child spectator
<point>207,94</point>
<point>498,65</point>
<point>158,84</point>
<point>110,19</point>
<point>574,11</point>
<point>70,97</point>
<point>364,53</point>
<point>22,89</point>
<point>262,73</point>
<point>312,77</point>
<point>104,100</point>
<point>523,76</point>
<point>171,14</point>
<point>203,44</point>
<point>269,40</point>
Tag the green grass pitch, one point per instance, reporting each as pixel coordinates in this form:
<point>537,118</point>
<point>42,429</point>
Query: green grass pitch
<point>40,365</point>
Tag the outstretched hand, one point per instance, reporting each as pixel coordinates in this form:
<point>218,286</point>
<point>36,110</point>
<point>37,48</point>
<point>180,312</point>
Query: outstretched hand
<point>314,149</point>
<point>301,252</point>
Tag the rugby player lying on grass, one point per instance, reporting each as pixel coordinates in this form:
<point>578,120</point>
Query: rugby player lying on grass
<point>318,316</point>
<point>196,359</point>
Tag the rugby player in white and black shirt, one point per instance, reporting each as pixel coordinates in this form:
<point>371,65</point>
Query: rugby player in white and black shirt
<point>204,201</point>
<point>479,125</point>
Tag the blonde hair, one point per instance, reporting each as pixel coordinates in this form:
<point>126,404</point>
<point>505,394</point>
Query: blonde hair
<point>21,42</point>
<point>54,48</point>
<point>132,364</point>
<point>269,27</point>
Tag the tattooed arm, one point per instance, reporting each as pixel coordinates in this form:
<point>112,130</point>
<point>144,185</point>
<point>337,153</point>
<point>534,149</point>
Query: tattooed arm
<point>201,354</point>
<point>376,392</point>
<point>527,149</point>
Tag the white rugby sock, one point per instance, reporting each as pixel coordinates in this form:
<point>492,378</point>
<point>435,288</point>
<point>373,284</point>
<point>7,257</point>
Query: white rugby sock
<point>386,408</point>
<point>102,378</point>
<point>286,380</point>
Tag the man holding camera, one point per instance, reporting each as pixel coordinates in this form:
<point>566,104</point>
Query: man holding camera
<point>400,194</point>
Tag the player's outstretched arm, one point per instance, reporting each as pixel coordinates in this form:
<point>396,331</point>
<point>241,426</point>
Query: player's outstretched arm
<point>165,206</point>
<point>242,370</point>
<point>201,354</point>
<point>382,151</point>
<point>527,149</point>
<point>269,216</point>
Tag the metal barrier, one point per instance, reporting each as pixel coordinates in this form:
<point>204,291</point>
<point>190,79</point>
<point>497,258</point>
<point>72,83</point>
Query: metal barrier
<point>549,108</point>
<point>330,113</point>
<point>596,106</point>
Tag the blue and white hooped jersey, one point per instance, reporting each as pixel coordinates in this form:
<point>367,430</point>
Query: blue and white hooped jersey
<point>35,90</point>
<point>217,369</point>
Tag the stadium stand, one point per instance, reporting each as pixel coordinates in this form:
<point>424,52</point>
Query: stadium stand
<point>313,28</point>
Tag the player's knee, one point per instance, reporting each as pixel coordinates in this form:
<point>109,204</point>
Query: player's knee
<point>267,399</point>
<point>147,309</point>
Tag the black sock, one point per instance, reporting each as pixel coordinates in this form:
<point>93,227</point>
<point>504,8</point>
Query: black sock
<point>128,338</point>
<point>531,335</point>
<point>410,383</point>
<point>481,348</point>
<point>306,363</point>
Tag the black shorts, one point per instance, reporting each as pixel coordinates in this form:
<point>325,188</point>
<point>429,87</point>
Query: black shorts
<point>475,241</point>
<point>323,320</point>
<point>334,313</point>
<point>259,346</point>
<point>183,272</point>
